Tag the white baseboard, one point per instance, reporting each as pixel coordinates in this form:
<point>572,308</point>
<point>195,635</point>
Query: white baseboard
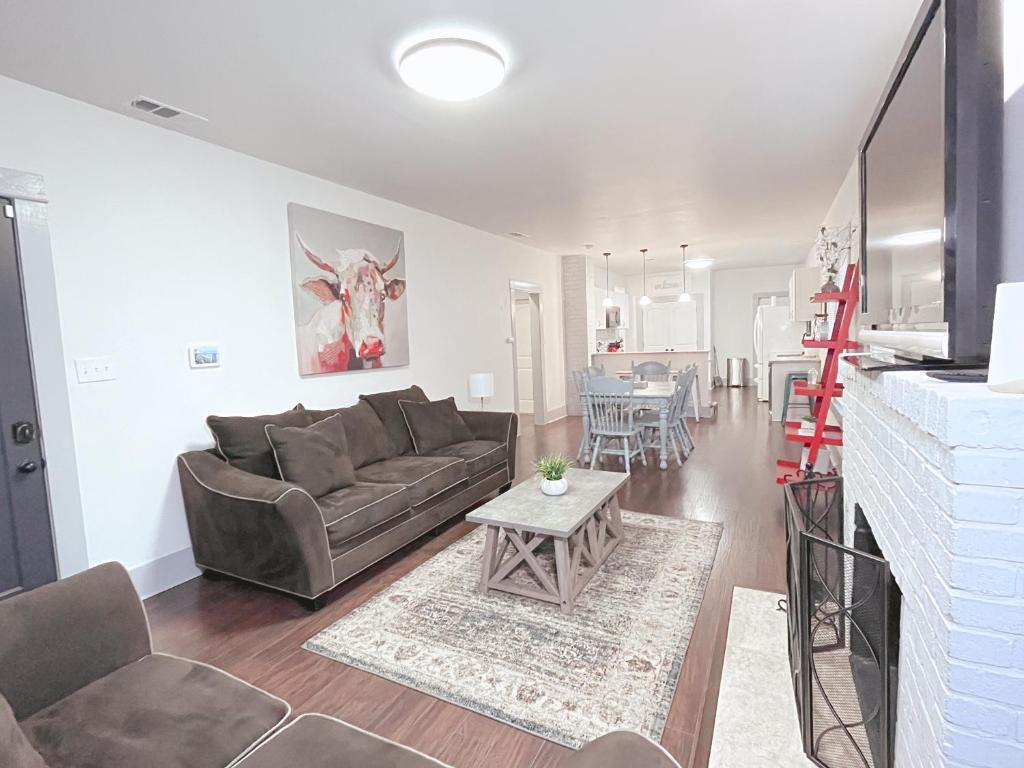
<point>556,414</point>
<point>165,572</point>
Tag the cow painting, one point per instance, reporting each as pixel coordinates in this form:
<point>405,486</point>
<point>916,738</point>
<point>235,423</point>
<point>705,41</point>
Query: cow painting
<point>346,296</point>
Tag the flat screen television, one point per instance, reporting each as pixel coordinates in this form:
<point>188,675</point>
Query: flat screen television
<point>930,179</point>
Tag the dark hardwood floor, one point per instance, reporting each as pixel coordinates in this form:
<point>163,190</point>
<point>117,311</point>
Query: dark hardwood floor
<point>257,635</point>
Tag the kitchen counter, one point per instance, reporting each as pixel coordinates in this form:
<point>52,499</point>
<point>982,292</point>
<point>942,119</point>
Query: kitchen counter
<point>623,361</point>
<point>778,368</point>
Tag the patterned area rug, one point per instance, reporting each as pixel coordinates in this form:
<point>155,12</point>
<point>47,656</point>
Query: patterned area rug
<point>612,664</point>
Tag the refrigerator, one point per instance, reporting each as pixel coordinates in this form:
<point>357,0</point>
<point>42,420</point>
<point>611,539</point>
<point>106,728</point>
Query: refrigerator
<point>775,337</point>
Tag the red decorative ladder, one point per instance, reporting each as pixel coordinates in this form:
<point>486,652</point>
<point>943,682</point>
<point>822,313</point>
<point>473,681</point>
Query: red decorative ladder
<point>827,388</point>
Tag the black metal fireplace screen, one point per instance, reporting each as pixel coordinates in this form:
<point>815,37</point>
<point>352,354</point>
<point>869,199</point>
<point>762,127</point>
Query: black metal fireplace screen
<point>844,608</point>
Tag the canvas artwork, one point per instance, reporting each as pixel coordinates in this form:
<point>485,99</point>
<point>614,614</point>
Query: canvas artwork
<point>349,289</point>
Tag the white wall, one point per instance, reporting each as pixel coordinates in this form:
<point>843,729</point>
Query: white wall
<point>732,308</point>
<point>160,240</point>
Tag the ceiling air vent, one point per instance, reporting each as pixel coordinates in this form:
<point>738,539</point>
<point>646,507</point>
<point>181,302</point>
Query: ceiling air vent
<point>516,234</point>
<point>165,111</point>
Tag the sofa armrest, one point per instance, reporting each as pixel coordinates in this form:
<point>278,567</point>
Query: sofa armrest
<point>256,528</point>
<point>62,636</point>
<point>498,426</point>
<point>620,749</point>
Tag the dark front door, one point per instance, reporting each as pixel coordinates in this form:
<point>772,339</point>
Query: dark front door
<point>26,539</point>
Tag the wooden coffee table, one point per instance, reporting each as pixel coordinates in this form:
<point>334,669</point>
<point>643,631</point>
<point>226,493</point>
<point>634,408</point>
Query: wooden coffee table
<point>584,526</point>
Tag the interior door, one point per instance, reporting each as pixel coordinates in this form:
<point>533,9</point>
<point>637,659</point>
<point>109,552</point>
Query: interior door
<point>524,355</point>
<point>26,538</point>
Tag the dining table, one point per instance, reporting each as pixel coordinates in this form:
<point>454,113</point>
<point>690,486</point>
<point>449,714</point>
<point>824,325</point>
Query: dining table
<point>652,395</point>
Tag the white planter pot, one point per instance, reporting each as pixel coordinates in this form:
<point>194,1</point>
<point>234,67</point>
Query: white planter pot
<point>554,487</point>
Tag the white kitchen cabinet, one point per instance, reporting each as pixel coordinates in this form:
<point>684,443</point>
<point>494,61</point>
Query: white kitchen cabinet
<point>671,326</point>
<point>803,284</point>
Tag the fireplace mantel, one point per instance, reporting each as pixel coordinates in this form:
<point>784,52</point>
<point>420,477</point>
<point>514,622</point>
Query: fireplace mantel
<point>938,469</point>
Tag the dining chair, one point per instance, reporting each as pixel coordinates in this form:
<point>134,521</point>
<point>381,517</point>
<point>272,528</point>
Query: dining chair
<point>650,423</point>
<point>594,370</point>
<point>613,417</point>
<point>680,428</point>
<point>651,371</point>
<point>581,379</point>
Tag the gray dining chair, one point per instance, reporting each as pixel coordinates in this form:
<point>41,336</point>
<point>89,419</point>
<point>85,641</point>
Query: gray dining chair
<point>680,427</point>
<point>613,418</point>
<point>581,380</point>
<point>594,371</point>
<point>652,371</point>
<point>650,424</point>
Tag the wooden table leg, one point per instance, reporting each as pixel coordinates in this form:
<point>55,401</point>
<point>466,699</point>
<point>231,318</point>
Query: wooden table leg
<point>663,435</point>
<point>563,574</point>
<point>489,564</point>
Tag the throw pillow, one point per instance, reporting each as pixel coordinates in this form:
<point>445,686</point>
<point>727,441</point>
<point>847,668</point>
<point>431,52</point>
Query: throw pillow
<point>368,440</point>
<point>315,457</point>
<point>242,441</point>
<point>385,404</point>
<point>434,425</point>
<point>14,743</point>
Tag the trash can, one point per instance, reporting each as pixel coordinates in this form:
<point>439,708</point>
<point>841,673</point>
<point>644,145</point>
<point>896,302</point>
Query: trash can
<point>736,372</point>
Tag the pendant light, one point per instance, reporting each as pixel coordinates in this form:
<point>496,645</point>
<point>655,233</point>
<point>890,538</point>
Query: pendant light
<point>607,291</point>
<point>684,296</point>
<point>645,299</point>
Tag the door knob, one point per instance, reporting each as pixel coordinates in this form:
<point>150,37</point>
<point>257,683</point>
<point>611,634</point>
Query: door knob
<point>27,467</point>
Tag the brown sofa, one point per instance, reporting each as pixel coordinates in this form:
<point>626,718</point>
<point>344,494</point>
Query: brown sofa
<point>244,521</point>
<point>80,687</point>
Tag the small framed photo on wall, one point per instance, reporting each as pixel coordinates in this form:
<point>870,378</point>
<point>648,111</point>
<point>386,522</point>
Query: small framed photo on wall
<point>203,356</point>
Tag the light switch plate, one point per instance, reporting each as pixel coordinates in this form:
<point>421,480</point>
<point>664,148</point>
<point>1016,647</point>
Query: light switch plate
<point>90,369</point>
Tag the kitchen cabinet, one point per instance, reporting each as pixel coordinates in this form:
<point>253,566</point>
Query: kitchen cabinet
<point>671,326</point>
<point>621,299</point>
<point>803,284</point>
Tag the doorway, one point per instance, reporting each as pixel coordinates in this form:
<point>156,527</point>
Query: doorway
<point>27,556</point>
<point>526,304</point>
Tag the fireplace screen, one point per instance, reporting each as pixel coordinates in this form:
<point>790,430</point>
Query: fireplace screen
<point>843,607</point>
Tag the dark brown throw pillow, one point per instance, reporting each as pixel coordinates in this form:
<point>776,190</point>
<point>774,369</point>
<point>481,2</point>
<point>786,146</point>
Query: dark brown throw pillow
<point>385,405</point>
<point>15,749</point>
<point>315,457</point>
<point>368,440</point>
<point>242,442</point>
<point>434,425</point>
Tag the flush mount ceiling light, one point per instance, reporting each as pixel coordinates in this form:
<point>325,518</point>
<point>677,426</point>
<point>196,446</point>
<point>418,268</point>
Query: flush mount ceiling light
<point>451,69</point>
<point>699,263</point>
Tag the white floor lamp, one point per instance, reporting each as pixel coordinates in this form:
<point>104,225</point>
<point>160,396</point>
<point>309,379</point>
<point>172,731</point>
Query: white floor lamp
<point>481,385</point>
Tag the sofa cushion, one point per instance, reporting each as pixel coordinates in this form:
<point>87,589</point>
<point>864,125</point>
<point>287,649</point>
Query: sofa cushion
<point>434,424</point>
<point>479,455</point>
<point>385,404</point>
<point>314,457</point>
<point>423,476</point>
<point>368,440</point>
<point>317,741</point>
<point>354,510</point>
<point>242,442</point>
<point>15,749</point>
<point>160,712</point>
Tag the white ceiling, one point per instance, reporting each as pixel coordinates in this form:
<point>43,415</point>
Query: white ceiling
<point>728,124</point>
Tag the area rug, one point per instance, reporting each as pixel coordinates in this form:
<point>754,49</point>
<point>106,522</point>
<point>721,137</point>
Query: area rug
<point>612,664</point>
<point>756,721</point>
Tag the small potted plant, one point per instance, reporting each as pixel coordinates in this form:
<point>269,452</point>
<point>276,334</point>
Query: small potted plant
<point>552,470</point>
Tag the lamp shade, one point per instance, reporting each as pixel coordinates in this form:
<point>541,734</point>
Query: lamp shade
<point>481,385</point>
<point>1006,364</point>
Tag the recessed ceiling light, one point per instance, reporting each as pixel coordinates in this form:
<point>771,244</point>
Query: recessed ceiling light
<point>701,263</point>
<point>451,69</point>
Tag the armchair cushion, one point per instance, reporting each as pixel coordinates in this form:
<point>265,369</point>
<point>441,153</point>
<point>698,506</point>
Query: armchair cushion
<point>619,749</point>
<point>479,455</point>
<point>160,712</point>
<point>367,438</point>
<point>242,442</point>
<point>14,745</point>
<point>423,476</point>
<point>351,512</point>
<point>314,457</point>
<point>385,404</point>
<point>433,425</point>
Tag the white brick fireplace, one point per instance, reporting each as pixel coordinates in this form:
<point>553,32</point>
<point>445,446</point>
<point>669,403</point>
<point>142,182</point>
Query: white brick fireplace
<point>939,471</point>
